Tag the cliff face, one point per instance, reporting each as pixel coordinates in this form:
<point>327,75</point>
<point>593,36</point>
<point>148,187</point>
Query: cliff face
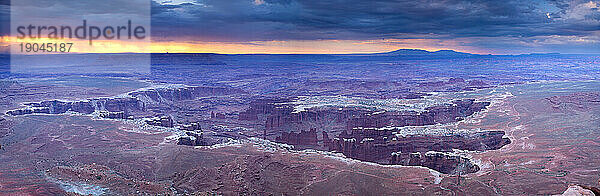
<point>125,105</point>
<point>163,121</point>
<point>302,138</point>
<point>136,101</point>
<point>277,115</point>
<point>380,145</point>
<point>444,163</point>
<point>183,93</point>
<point>432,115</point>
<point>363,138</point>
<point>282,115</point>
<point>581,190</point>
<point>480,141</point>
<point>263,107</point>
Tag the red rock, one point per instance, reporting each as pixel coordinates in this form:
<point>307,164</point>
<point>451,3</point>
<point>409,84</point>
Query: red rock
<point>302,138</point>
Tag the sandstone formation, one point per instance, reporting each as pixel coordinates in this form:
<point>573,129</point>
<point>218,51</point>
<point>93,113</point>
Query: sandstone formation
<point>137,101</point>
<point>276,114</point>
<point>125,105</point>
<point>302,138</point>
<point>366,134</point>
<point>182,93</point>
<point>192,138</point>
<point>284,115</point>
<point>577,190</point>
<point>432,115</point>
<point>163,121</point>
<point>260,107</point>
<point>379,146</point>
<point>444,163</point>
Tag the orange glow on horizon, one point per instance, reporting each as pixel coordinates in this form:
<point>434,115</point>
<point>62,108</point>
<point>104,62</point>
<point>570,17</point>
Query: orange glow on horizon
<point>254,47</point>
<point>80,46</point>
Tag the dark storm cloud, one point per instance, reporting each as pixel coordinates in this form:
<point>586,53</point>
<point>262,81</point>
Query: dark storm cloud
<point>225,20</point>
<point>62,11</point>
<point>4,17</point>
<point>514,24</point>
<point>79,7</point>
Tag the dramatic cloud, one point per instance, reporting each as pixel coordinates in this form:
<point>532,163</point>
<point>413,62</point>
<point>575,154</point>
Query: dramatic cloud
<point>509,26</point>
<point>318,19</point>
<point>520,21</point>
<point>4,17</point>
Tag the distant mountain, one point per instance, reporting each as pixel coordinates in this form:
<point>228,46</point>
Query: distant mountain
<point>407,52</point>
<point>417,52</point>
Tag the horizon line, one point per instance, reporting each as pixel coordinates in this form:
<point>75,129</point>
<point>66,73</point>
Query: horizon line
<point>375,53</point>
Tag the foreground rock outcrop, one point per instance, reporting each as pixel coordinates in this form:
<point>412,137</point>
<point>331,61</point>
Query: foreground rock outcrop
<point>248,175</point>
<point>92,178</point>
<point>578,190</point>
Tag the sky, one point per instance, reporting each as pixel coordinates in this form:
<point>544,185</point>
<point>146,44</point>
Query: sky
<point>359,26</point>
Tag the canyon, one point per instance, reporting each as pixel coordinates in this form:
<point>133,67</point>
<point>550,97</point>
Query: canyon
<point>359,133</point>
<point>371,136</point>
<point>210,124</point>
